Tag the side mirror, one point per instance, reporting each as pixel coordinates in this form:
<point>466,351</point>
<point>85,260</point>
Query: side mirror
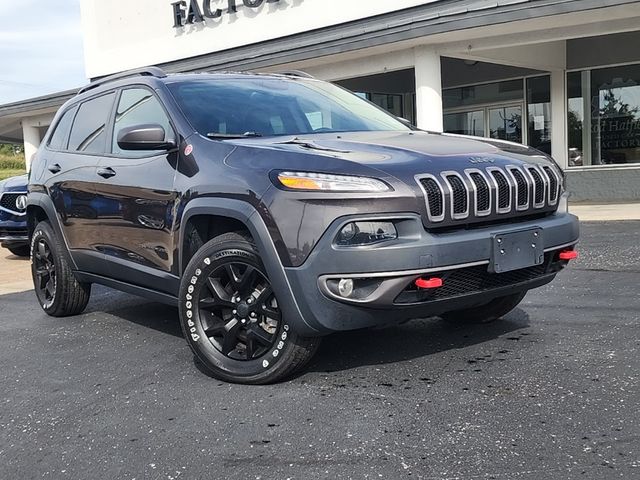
<point>144,137</point>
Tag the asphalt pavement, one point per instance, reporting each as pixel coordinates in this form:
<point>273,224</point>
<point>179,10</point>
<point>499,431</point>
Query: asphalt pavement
<point>550,392</point>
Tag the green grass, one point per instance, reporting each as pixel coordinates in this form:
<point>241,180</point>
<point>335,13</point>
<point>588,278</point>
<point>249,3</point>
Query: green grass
<point>11,165</point>
<point>11,173</point>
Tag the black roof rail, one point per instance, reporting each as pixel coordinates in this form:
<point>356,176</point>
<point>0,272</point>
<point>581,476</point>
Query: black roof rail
<point>295,73</point>
<point>138,72</point>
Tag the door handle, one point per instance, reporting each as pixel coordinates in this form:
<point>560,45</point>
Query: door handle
<point>107,172</point>
<point>55,168</point>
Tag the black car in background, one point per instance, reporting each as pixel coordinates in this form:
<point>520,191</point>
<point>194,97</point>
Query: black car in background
<point>275,209</point>
<point>13,215</point>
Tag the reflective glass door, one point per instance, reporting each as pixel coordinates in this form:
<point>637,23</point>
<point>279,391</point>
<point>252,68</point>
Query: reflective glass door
<point>505,123</point>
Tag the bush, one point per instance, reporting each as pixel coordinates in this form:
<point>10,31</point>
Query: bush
<point>12,162</point>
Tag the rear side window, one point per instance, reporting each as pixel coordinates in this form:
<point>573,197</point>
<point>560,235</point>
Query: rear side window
<point>138,106</point>
<point>60,136</point>
<point>89,132</point>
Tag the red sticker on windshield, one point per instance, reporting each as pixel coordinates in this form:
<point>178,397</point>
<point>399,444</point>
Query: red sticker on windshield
<point>188,149</point>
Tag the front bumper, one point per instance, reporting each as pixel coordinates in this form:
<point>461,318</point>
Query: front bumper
<point>13,233</point>
<point>386,272</point>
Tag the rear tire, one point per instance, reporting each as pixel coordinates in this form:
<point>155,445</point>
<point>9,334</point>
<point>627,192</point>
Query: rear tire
<point>231,318</point>
<point>22,251</point>
<point>57,290</point>
<point>487,313</point>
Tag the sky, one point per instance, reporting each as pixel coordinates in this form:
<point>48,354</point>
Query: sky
<point>40,48</point>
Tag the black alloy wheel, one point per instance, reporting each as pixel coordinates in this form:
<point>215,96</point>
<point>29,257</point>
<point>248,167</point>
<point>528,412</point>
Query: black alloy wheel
<point>45,276</point>
<point>238,311</point>
<point>231,317</point>
<point>57,289</point>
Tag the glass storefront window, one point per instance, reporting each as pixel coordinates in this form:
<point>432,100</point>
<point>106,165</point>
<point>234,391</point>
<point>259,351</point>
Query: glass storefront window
<point>539,113</point>
<point>498,92</point>
<point>505,123</point>
<point>604,116</point>
<point>465,123</point>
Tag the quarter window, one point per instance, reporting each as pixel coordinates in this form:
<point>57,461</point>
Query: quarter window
<point>138,106</point>
<point>88,134</point>
<point>60,136</point>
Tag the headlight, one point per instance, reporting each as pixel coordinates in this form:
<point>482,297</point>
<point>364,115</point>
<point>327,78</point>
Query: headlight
<point>366,233</point>
<point>330,183</point>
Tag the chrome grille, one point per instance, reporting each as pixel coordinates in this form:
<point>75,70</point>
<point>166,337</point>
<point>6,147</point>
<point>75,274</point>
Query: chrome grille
<point>553,185</point>
<point>8,202</point>
<point>489,194</point>
<point>539,187</point>
<point>522,188</point>
<point>459,196</point>
<point>504,190</point>
<point>482,193</point>
<point>435,198</point>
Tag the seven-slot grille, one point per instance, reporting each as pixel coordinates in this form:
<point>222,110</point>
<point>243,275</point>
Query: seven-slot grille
<point>526,189</point>
<point>8,202</point>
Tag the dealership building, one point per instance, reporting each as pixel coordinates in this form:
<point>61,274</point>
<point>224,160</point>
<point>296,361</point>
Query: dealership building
<point>561,76</point>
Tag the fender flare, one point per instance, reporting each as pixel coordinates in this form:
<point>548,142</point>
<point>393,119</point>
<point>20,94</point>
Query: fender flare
<point>246,214</point>
<point>43,201</point>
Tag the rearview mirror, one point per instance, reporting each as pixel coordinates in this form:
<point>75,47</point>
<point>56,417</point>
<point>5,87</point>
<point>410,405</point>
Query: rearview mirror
<point>149,136</point>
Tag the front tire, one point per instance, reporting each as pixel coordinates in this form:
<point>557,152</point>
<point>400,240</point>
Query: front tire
<point>487,313</point>
<point>231,318</point>
<point>56,287</point>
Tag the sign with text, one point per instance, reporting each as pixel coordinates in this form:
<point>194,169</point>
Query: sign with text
<point>200,11</point>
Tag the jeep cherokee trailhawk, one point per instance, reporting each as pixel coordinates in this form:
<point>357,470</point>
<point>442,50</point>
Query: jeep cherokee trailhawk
<point>275,209</point>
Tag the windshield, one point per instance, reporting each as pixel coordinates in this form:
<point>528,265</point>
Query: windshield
<point>272,106</point>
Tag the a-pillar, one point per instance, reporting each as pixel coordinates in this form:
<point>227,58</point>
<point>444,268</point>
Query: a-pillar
<point>31,138</point>
<point>428,89</point>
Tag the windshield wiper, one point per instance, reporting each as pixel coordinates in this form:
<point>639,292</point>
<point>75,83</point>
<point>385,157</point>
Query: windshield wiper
<point>231,136</point>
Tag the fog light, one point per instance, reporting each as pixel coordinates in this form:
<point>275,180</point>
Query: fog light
<point>366,233</point>
<point>345,287</point>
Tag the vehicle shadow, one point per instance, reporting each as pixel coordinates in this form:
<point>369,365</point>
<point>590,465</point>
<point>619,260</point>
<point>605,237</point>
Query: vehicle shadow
<point>414,339</point>
<point>156,316</point>
<point>346,350</point>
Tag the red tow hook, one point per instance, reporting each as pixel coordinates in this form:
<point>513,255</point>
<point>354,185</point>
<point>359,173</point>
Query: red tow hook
<point>568,255</point>
<point>429,283</point>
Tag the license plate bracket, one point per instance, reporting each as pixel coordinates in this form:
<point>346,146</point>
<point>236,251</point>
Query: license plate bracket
<point>516,250</point>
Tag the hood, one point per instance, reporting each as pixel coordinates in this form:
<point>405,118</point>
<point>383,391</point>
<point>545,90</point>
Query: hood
<point>403,154</point>
<point>18,183</point>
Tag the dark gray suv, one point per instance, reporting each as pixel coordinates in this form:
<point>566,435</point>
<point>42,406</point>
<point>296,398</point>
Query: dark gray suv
<point>275,209</point>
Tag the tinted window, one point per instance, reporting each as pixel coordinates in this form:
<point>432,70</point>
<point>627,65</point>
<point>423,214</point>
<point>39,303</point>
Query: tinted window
<point>60,135</point>
<point>88,133</point>
<point>138,106</point>
<point>273,106</point>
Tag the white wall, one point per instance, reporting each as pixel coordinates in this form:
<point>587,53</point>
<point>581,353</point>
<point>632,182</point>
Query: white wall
<point>145,33</point>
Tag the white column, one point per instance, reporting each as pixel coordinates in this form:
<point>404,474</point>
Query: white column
<point>428,89</point>
<point>559,138</point>
<point>31,138</point>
